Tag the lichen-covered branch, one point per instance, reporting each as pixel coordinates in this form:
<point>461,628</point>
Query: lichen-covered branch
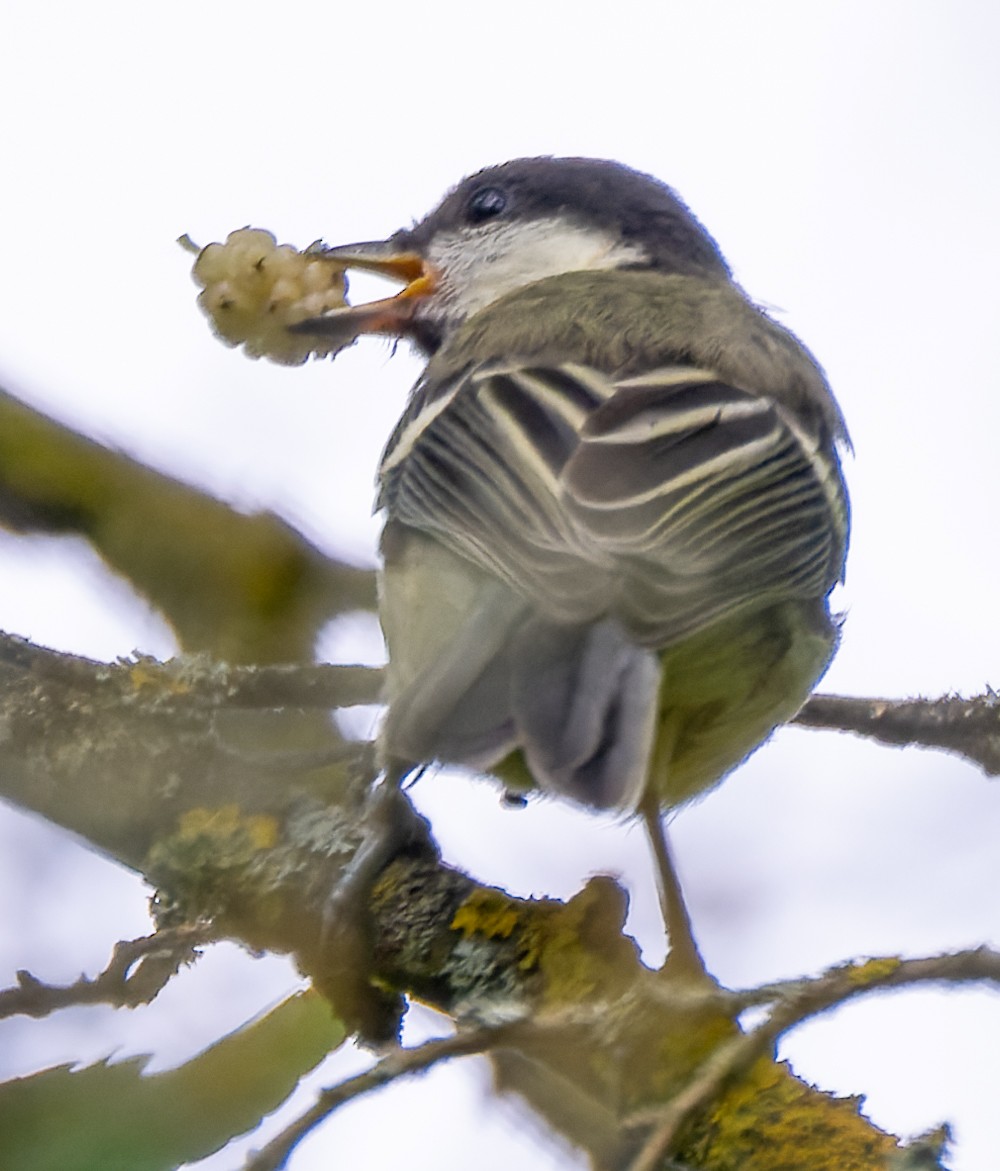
<point>118,752</point>
<point>126,754</point>
<point>233,815</point>
<point>791,1003</point>
<point>622,1060</point>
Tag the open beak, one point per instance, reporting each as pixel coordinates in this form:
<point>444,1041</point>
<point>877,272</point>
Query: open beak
<point>391,315</point>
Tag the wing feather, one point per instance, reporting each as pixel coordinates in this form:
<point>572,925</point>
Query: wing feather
<point>668,500</point>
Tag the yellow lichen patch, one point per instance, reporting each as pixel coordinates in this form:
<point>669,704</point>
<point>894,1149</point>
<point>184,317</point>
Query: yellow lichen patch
<point>227,826</point>
<point>141,675</point>
<point>218,862</point>
<point>488,913</point>
<point>769,1120</point>
<point>253,289</point>
<point>145,672</point>
<point>865,972</point>
<point>578,947</point>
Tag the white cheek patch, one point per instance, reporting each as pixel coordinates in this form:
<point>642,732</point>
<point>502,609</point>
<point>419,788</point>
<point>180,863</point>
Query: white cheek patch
<point>480,265</point>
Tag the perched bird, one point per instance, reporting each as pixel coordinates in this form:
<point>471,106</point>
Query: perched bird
<point>614,509</point>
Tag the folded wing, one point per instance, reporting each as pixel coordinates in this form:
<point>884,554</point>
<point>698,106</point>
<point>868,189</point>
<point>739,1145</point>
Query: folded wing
<point>669,501</point>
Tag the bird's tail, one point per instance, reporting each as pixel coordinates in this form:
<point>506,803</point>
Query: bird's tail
<point>584,704</point>
<point>578,701</point>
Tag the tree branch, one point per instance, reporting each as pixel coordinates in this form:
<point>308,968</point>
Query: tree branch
<point>244,588</point>
<point>793,1002</point>
<point>121,753</point>
<point>966,727</point>
<point>169,767</point>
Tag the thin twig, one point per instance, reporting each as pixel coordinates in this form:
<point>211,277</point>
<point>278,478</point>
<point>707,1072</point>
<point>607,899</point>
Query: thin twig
<point>398,1063</point>
<point>845,980</point>
<point>137,972</point>
<point>704,1087</point>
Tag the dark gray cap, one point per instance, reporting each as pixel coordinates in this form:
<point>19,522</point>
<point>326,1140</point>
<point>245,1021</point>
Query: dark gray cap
<point>637,207</point>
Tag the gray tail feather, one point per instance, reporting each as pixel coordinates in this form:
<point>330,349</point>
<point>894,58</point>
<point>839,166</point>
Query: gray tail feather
<point>584,705</point>
<point>579,701</point>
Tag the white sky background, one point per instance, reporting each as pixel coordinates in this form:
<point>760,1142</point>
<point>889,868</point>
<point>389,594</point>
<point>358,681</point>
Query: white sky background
<point>844,154</point>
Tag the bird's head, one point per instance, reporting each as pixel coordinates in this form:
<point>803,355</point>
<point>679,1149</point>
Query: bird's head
<point>511,225</point>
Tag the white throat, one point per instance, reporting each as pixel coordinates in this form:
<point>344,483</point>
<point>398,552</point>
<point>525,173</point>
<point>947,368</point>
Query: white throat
<point>480,265</point>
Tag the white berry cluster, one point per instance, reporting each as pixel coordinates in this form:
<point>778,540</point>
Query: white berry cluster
<point>253,289</point>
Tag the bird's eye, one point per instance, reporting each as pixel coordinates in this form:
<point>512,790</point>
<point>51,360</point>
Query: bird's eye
<point>486,204</point>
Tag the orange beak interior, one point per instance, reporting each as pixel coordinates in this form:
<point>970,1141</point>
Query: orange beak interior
<point>389,315</point>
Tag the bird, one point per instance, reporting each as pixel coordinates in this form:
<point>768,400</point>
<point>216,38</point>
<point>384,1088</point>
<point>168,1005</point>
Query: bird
<point>614,505</point>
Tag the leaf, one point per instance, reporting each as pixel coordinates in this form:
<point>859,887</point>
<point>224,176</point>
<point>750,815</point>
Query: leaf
<point>113,1118</point>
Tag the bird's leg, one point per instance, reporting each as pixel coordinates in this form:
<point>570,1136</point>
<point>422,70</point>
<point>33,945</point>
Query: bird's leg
<point>391,827</point>
<point>684,958</point>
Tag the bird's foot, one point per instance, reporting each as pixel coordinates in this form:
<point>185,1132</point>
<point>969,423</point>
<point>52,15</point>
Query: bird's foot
<point>391,827</point>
